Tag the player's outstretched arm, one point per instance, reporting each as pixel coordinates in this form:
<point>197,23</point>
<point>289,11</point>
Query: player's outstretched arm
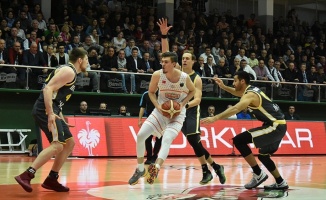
<point>231,90</point>
<point>244,102</point>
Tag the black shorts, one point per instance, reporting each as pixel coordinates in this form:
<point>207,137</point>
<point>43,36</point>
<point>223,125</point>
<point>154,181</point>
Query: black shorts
<point>268,137</point>
<point>63,132</point>
<point>191,125</point>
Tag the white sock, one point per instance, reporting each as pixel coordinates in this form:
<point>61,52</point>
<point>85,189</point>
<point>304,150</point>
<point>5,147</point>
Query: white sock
<point>141,167</point>
<point>157,166</point>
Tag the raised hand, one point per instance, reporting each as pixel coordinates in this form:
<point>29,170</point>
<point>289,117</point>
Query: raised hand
<point>163,24</point>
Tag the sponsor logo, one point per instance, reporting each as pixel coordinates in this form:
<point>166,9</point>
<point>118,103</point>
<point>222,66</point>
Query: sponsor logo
<point>89,138</point>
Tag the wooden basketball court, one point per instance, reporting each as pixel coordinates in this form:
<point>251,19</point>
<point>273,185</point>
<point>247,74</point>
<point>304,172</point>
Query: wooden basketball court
<point>107,178</point>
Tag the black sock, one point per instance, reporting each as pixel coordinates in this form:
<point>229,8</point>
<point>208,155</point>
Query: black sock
<point>31,170</point>
<point>279,180</point>
<point>256,169</point>
<point>54,174</point>
<point>215,166</point>
<point>204,167</point>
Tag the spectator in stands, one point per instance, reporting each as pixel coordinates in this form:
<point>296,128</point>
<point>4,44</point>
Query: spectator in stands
<point>273,72</point>
<point>291,115</point>
<point>93,26</point>
<point>146,48</point>
<point>62,57</point>
<point>154,41</point>
<point>217,52</point>
<point>243,114</point>
<point>103,106</point>
<point>4,58</point>
<point>104,30</point>
<point>149,31</point>
<point>89,43</point>
<point>25,23</point>
<point>150,68</point>
<point>52,30</point>
<point>114,5</point>
<point>290,74</point>
<point>277,65</point>
<point>136,65</point>
<point>123,111</point>
<point>33,39</point>
<point>50,57</point>
<point>119,42</point>
<point>34,28</point>
<point>33,57</point>
<point>79,18</point>
<point>303,78</point>
<point>262,73</point>
<point>20,32</point>
<point>263,56</point>
<point>75,43</point>
<point>108,62</point>
<point>253,61</point>
<point>10,18</point>
<point>37,10</point>
<point>65,34</point>
<point>322,62</point>
<point>199,67</point>
<point>245,67</point>
<point>131,45</point>
<point>122,67</point>
<point>211,111</point>
<point>41,22</point>
<point>181,40</point>
<point>209,68</point>
<point>13,38</point>
<point>208,54</point>
<point>223,70</point>
<point>79,32</point>
<point>83,109</point>
<point>103,110</point>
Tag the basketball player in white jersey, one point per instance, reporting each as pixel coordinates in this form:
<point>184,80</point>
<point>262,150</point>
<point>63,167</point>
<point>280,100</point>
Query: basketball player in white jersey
<point>191,125</point>
<point>172,85</point>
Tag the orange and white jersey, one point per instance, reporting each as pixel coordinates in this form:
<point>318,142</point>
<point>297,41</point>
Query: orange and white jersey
<point>172,91</point>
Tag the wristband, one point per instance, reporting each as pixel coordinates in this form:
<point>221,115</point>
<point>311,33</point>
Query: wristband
<point>164,36</point>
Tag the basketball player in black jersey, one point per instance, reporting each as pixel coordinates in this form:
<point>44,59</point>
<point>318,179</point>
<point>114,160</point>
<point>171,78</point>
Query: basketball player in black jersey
<point>47,112</point>
<point>267,137</point>
<point>191,125</point>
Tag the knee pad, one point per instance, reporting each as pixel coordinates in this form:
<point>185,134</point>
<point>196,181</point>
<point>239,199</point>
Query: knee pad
<point>194,141</point>
<point>267,162</point>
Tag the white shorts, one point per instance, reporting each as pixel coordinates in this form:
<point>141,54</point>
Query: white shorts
<point>159,123</point>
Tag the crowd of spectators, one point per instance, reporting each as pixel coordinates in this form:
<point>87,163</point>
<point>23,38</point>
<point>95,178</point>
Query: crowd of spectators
<point>122,37</point>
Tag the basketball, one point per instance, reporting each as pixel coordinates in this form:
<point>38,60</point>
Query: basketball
<point>171,109</point>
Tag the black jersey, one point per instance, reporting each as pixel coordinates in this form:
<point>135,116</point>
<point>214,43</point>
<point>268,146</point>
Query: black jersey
<point>61,96</point>
<point>267,112</point>
<point>193,76</point>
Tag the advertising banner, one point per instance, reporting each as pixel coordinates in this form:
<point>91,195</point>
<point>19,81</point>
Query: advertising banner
<point>116,136</point>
